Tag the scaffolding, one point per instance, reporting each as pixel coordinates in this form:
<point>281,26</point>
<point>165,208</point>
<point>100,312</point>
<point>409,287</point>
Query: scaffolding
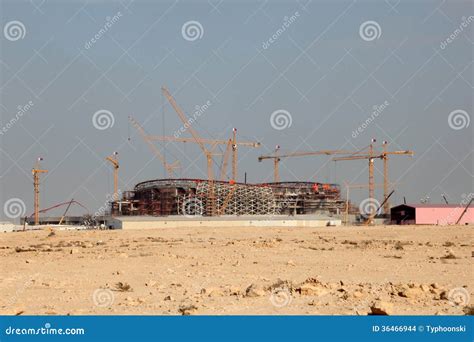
<point>192,197</point>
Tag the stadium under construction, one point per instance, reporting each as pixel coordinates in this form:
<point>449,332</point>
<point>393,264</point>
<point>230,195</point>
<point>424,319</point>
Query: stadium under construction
<point>198,197</point>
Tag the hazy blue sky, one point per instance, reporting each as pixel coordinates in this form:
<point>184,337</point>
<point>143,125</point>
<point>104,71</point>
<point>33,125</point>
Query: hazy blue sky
<point>322,68</point>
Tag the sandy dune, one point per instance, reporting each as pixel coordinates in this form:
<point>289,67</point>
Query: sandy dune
<point>344,270</point>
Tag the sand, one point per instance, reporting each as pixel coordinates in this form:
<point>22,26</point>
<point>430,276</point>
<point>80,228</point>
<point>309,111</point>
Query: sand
<point>403,270</point>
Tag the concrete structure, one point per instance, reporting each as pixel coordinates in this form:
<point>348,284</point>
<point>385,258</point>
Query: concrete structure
<point>6,226</point>
<point>150,222</point>
<point>441,214</point>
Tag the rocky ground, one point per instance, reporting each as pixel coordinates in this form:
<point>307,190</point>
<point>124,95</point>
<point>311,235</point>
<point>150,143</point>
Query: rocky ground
<point>344,270</point>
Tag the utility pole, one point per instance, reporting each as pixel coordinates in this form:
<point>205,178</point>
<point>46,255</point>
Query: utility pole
<point>36,171</point>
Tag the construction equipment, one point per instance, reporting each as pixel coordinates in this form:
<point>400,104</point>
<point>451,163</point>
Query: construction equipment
<point>371,157</point>
<point>225,160</point>
<point>169,168</point>
<point>114,161</point>
<point>384,157</point>
<point>65,211</point>
<point>277,157</point>
<point>36,171</point>
<point>208,152</point>
<point>201,142</point>
<point>464,211</point>
<point>231,146</point>
<point>352,186</point>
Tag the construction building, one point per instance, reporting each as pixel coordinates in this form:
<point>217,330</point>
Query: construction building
<point>194,197</point>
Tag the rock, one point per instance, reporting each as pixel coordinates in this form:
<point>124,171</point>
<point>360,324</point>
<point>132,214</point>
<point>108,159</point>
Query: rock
<point>233,291</point>
<point>381,308</point>
<point>291,263</point>
<point>187,310</point>
<point>443,295</point>
<point>212,292</point>
<point>74,251</point>
<point>415,292</point>
<point>312,290</point>
<point>469,310</point>
<point>168,298</point>
<point>357,294</point>
<point>18,312</point>
<point>255,291</point>
<point>124,287</point>
<point>449,255</point>
<point>424,288</point>
<point>150,283</point>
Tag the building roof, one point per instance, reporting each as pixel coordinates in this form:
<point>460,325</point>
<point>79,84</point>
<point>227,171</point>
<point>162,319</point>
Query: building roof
<point>434,205</point>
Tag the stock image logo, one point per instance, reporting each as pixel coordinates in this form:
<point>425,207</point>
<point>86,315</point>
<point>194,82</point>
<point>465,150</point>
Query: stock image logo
<point>459,119</point>
<point>14,208</point>
<point>103,119</point>
<point>281,119</point>
<point>370,30</point>
<point>14,30</point>
<point>280,297</point>
<point>369,206</point>
<point>103,298</point>
<point>192,30</point>
<point>192,207</point>
<point>459,296</point>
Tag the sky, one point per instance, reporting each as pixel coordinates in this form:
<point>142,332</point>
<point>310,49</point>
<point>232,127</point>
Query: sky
<point>305,75</point>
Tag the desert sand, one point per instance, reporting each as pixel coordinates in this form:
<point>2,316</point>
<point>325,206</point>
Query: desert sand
<point>408,270</point>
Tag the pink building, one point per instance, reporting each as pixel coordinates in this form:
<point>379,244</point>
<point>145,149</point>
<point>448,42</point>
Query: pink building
<point>441,214</point>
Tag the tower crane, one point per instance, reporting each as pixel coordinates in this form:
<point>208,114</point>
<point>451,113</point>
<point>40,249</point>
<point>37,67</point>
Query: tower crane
<point>114,161</point>
<point>371,157</point>
<point>170,168</point>
<point>231,146</point>
<point>208,152</point>
<point>36,171</point>
<point>277,157</point>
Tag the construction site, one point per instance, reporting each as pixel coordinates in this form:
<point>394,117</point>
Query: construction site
<point>185,246</point>
<point>220,195</point>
